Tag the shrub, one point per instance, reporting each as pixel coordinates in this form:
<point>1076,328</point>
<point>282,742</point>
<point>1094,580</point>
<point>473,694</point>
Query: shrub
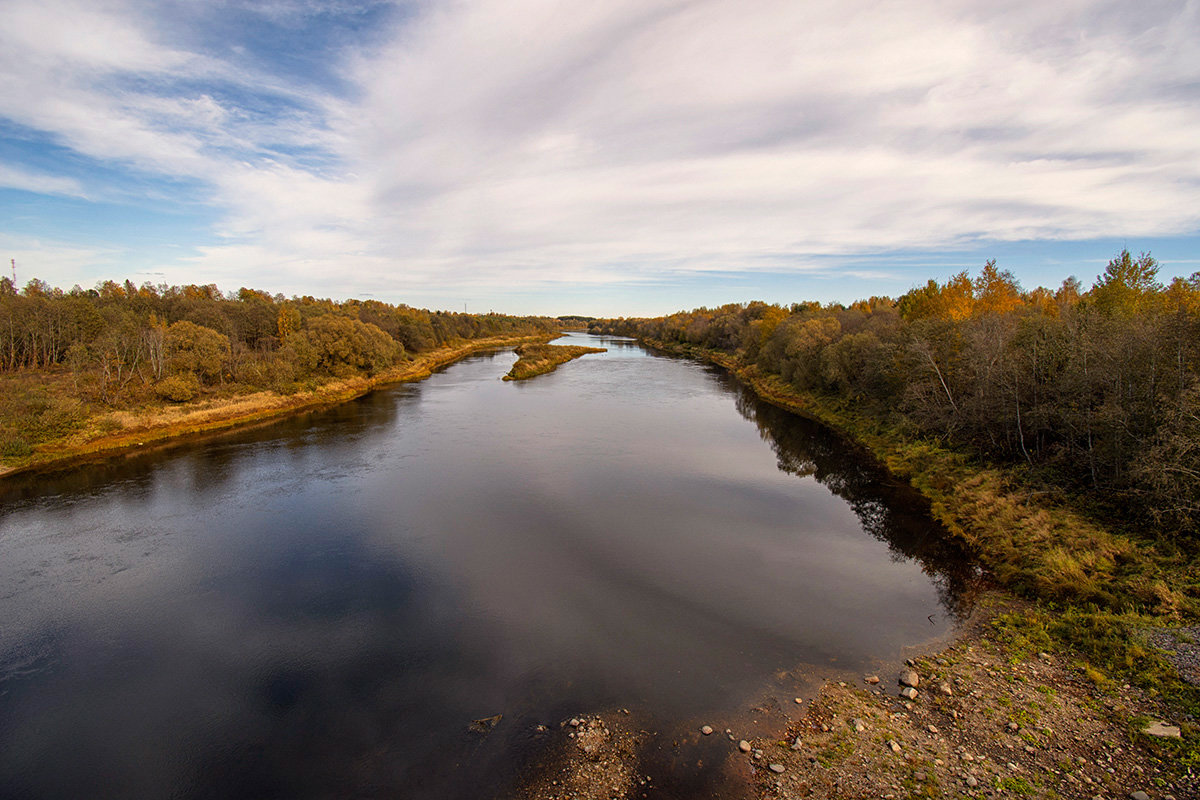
<point>178,388</point>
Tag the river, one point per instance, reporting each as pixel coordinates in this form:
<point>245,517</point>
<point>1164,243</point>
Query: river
<point>322,606</point>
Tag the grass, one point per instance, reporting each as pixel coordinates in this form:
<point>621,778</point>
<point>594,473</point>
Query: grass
<point>538,359</point>
<point>42,424</point>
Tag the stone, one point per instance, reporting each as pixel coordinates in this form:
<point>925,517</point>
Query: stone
<point>933,729</point>
<point>1139,795</point>
<point>1012,726</point>
<point>858,725</point>
<point>799,700</point>
<point>1162,729</point>
<point>706,730</point>
<point>776,768</point>
<point>910,678</point>
<point>908,693</point>
<point>972,781</point>
<point>945,689</point>
<point>872,679</point>
<point>744,746</point>
<point>893,745</point>
<point>575,723</point>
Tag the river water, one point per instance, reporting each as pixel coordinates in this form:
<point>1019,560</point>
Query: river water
<point>321,607</point>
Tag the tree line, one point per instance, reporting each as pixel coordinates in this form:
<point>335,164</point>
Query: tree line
<point>124,343</point>
<point>1096,390</point>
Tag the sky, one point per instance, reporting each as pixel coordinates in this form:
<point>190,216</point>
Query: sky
<point>625,157</point>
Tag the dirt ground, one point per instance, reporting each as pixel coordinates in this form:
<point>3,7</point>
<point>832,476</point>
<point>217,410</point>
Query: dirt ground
<point>983,723</point>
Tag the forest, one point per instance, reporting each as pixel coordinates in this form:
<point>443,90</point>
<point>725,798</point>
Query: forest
<point>1093,392</point>
<point>66,354</point>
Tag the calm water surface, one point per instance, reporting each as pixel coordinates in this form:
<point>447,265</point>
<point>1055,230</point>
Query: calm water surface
<point>321,607</point>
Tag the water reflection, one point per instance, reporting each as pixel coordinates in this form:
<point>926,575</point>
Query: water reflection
<point>888,509</point>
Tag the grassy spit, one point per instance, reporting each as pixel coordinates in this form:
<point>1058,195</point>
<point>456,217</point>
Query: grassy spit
<point>1094,593</point>
<point>538,359</point>
<point>123,429</point>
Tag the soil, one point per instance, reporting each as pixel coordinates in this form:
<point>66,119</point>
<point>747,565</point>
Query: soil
<point>985,722</point>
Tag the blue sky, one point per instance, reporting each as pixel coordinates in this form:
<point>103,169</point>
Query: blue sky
<point>627,157</point>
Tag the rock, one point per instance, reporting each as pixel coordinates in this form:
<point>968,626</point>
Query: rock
<point>972,781</point>
<point>919,777</point>
<point>872,679</point>
<point>1139,795</point>
<point>706,730</point>
<point>858,725</point>
<point>575,723</point>
<point>933,729</point>
<point>1012,726</point>
<point>908,693</point>
<point>744,746</point>
<point>945,689</point>
<point>893,745</point>
<point>799,700</point>
<point>1162,729</point>
<point>777,768</point>
<point>910,678</point>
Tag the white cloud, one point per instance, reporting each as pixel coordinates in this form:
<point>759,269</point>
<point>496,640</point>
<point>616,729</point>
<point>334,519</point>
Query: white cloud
<point>489,144</point>
<point>16,178</point>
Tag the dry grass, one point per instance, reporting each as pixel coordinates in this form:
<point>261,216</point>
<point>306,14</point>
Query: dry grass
<point>538,359</point>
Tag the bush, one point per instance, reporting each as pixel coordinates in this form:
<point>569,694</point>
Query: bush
<point>178,388</point>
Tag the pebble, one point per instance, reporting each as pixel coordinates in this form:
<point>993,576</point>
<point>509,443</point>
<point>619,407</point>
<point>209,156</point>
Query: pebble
<point>1012,726</point>
<point>893,745</point>
<point>706,730</point>
<point>945,689</point>
<point>909,693</point>
<point>971,781</point>
<point>744,746</point>
<point>1162,729</point>
<point>776,768</point>
<point>872,679</point>
<point>1139,795</point>
<point>574,723</point>
<point>858,725</point>
<point>799,700</point>
<point>910,678</point>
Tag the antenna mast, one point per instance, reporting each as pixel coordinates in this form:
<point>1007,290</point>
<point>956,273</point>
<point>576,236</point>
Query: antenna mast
<point>14,266</point>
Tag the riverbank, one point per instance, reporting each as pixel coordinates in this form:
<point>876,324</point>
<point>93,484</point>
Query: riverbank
<point>995,714</point>
<point>538,359</point>
<point>1048,695</point>
<point>1032,545</point>
<point>114,431</point>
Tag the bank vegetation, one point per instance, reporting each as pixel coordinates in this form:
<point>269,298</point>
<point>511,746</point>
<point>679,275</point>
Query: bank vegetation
<point>1056,431</point>
<point>86,370</point>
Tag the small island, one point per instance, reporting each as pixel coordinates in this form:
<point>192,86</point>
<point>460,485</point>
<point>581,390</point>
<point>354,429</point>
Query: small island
<point>538,359</point>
